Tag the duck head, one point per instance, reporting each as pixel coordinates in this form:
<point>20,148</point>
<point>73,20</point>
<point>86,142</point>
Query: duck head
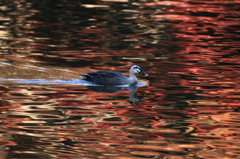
<point>137,69</point>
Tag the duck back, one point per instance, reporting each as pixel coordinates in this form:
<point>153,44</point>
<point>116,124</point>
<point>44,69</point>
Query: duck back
<point>106,78</point>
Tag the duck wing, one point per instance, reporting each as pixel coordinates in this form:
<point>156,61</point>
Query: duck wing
<point>106,78</point>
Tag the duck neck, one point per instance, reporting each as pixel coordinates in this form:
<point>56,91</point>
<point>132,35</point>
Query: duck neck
<point>132,78</point>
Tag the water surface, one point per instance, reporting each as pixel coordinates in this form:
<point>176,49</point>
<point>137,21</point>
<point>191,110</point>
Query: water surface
<point>188,106</point>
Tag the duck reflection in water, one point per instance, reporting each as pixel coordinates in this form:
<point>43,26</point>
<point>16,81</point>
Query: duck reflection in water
<point>109,79</point>
<point>111,89</point>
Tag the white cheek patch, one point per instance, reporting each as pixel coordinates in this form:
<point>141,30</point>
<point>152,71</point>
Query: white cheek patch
<point>137,70</point>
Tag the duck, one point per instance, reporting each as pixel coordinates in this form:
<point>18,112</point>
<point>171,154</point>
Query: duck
<point>112,78</point>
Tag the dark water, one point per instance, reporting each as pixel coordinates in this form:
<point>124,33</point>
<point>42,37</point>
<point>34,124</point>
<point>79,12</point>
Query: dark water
<point>188,106</point>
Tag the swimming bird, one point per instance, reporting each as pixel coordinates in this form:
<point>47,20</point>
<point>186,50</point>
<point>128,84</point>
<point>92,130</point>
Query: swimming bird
<point>112,78</point>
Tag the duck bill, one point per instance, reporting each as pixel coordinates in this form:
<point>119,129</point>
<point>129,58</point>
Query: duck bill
<point>143,73</point>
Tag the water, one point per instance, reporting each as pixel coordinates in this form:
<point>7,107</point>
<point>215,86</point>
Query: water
<point>188,106</point>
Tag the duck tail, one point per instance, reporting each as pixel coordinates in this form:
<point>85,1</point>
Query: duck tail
<point>86,77</point>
